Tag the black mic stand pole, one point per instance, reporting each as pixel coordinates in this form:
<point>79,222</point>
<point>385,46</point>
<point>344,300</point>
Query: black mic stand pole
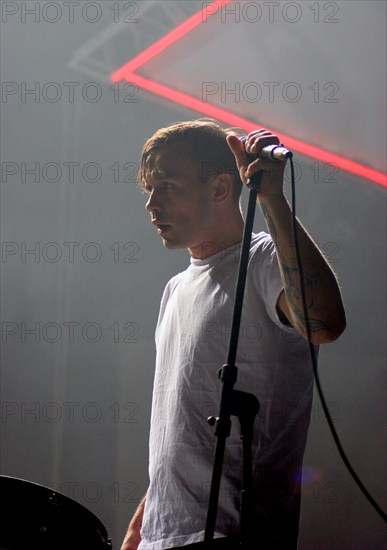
<point>234,402</point>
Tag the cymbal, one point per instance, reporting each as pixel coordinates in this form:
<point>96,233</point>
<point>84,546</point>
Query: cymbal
<point>35,516</point>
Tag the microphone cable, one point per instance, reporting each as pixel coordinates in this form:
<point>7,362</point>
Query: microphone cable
<point>332,428</point>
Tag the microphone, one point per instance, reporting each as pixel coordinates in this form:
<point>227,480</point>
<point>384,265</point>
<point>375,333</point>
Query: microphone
<point>271,152</point>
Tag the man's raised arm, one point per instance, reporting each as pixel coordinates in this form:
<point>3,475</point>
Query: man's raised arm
<point>324,305</point>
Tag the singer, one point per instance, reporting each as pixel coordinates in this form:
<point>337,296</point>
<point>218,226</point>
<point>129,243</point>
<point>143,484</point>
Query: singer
<point>193,173</point>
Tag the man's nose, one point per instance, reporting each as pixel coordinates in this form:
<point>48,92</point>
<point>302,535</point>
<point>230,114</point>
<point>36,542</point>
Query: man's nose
<point>152,203</point>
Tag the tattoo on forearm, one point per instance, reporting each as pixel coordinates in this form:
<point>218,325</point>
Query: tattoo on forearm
<point>292,286</point>
<point>293,295</point>
<point>269,221</point>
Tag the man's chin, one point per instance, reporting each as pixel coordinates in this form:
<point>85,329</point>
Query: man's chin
<point>172,244</point>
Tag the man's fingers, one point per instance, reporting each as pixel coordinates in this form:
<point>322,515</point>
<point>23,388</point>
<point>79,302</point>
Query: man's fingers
<point>245,155</point>
<point>238,148</point>
<point>255,143</point>
<point>242,159</point>
<point>254,167</point>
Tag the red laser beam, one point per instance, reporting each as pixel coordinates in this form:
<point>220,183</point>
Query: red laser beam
<point>127,72</point>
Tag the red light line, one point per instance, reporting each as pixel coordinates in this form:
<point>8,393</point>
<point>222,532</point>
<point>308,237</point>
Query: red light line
<point>126,72</point>
<point>234,120</point>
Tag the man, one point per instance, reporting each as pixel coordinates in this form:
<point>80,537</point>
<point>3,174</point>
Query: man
<point>193,173</point>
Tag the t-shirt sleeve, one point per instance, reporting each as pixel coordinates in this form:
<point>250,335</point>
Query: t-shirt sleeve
<point>168,291</point>
<point>267,277</point>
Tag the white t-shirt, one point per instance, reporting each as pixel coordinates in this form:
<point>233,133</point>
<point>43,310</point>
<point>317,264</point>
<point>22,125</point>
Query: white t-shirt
<point>192,338</point>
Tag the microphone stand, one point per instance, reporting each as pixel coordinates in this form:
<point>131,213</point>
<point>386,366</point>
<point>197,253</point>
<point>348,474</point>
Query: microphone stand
<point>236,403</point>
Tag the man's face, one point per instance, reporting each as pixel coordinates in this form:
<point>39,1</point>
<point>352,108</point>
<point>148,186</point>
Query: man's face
<point>179,201</point>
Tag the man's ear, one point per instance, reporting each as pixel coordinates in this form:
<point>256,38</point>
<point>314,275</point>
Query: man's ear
<point>222,187</point>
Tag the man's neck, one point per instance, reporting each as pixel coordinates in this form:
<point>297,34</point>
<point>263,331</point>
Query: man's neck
<point>227,233</point>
